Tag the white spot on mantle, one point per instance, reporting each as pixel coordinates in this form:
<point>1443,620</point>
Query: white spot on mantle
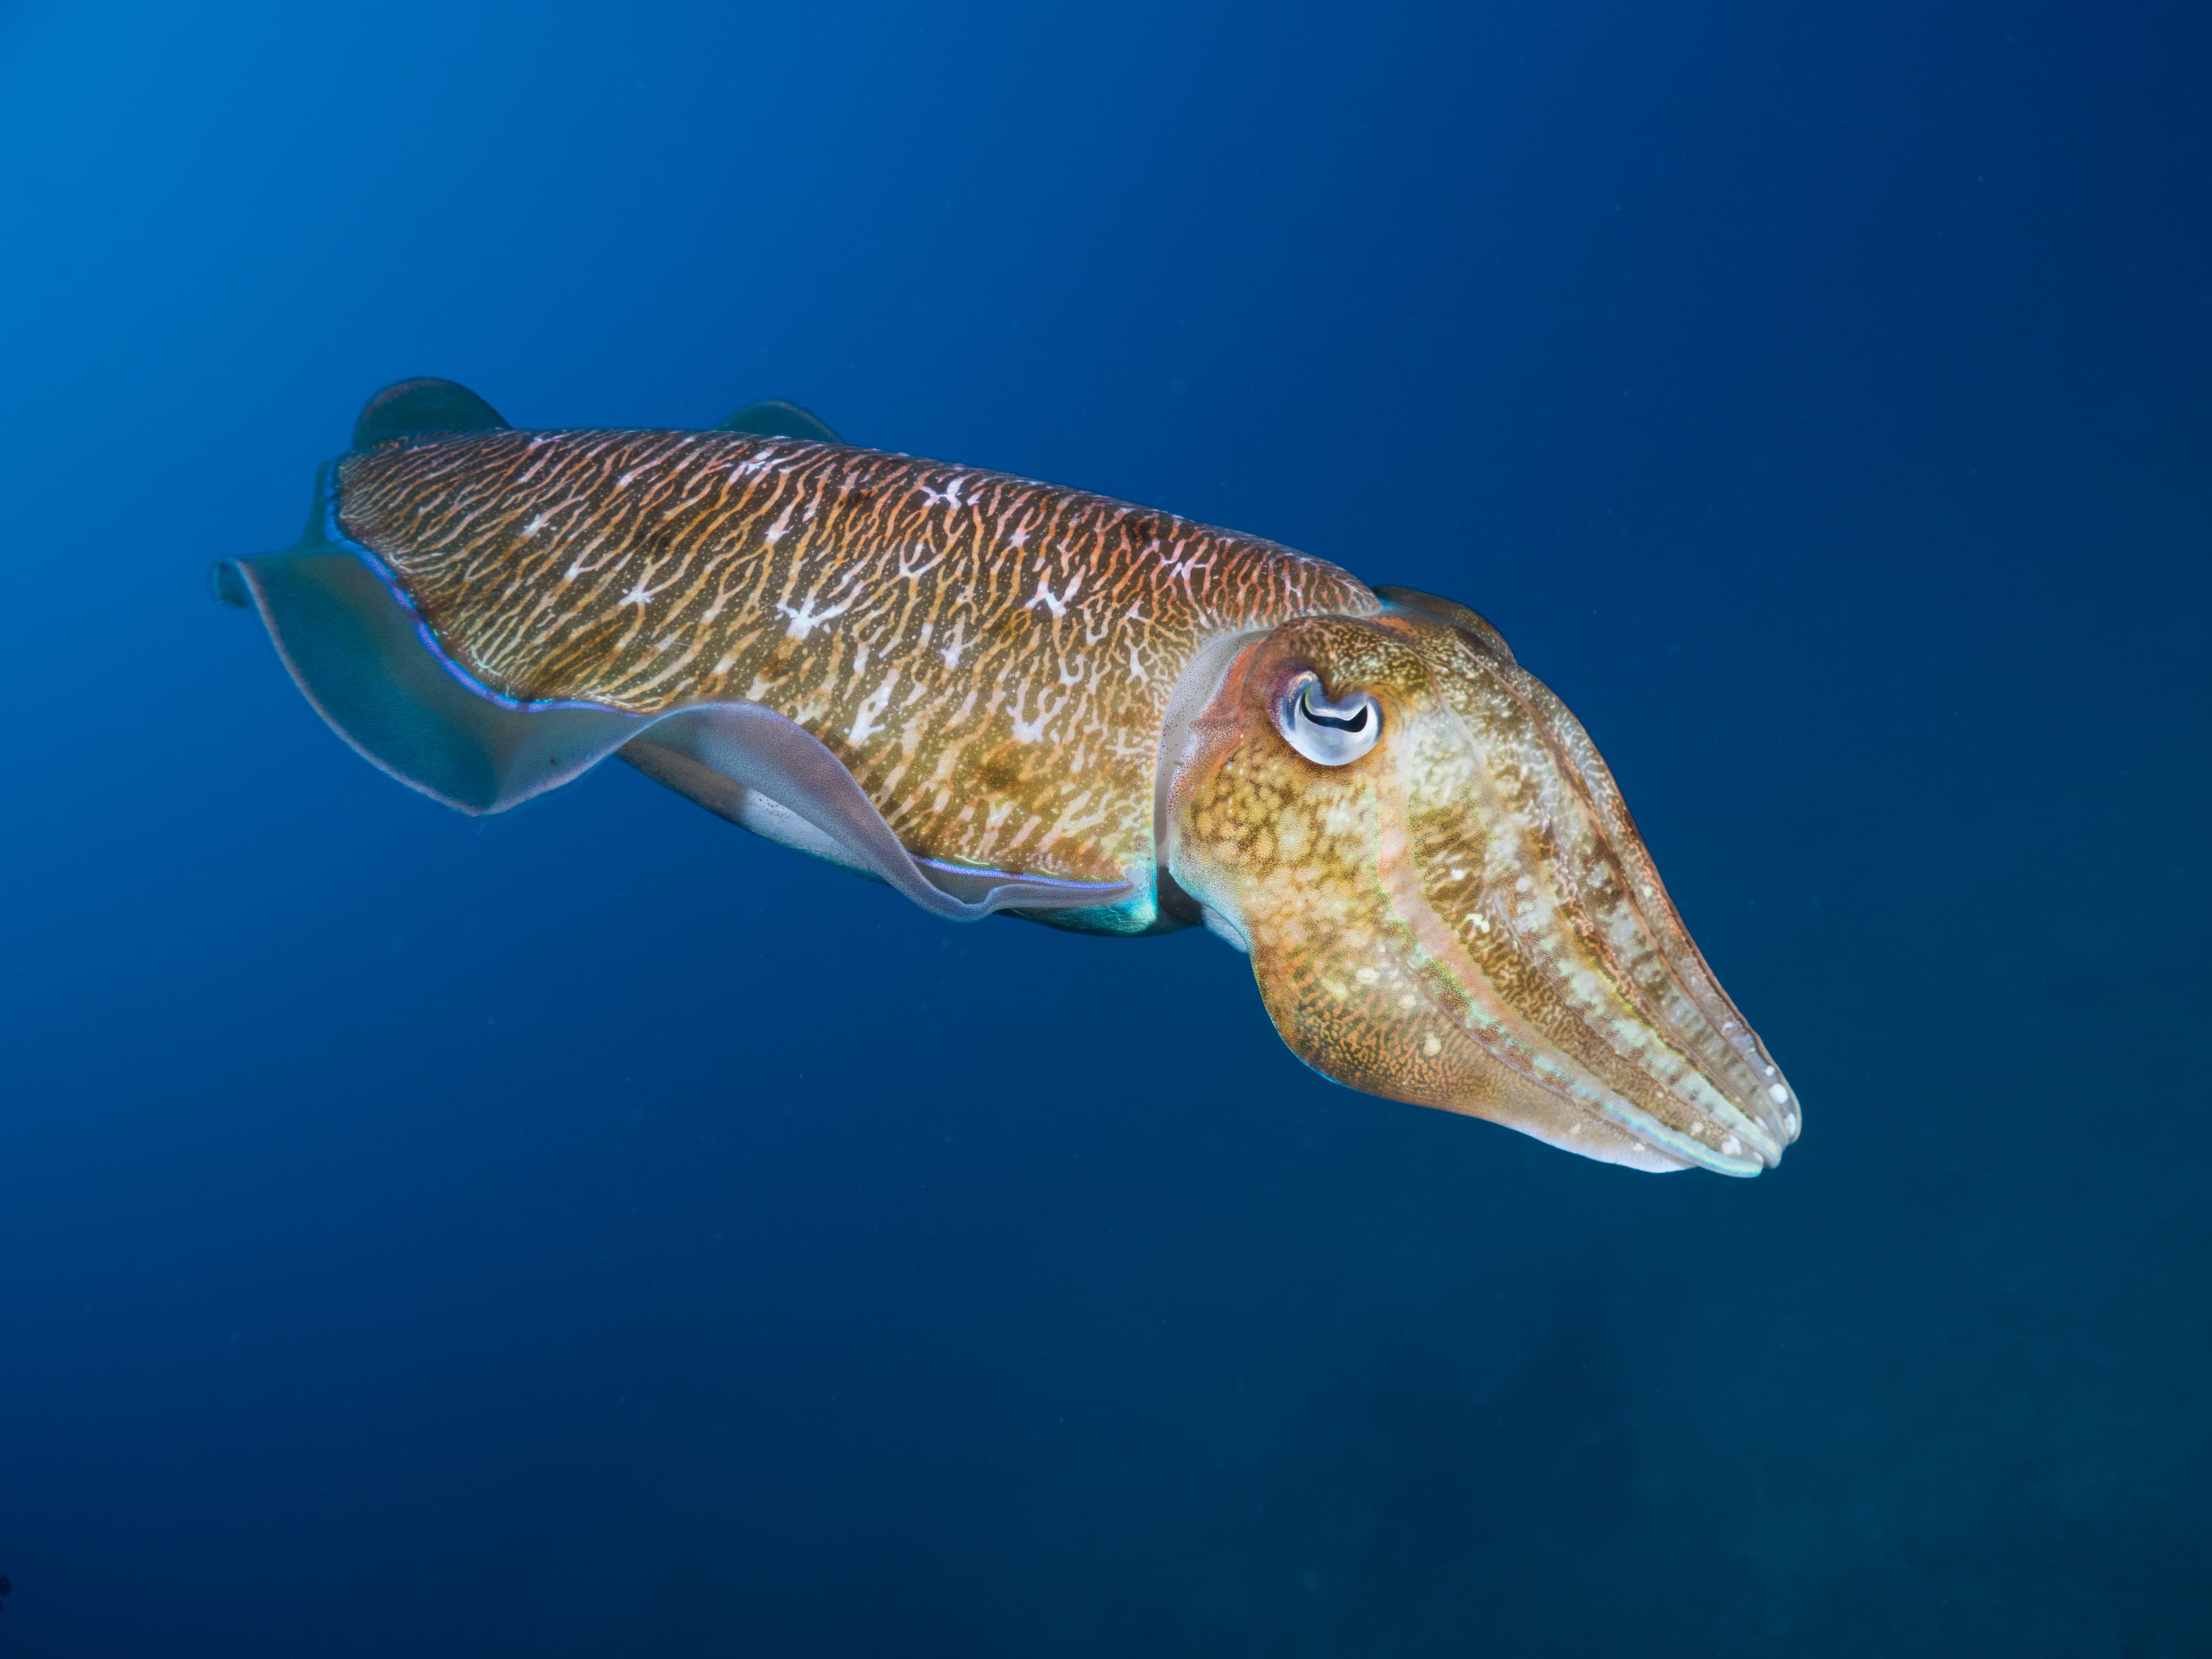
<point>1051,601</point>
<point>806,618</point>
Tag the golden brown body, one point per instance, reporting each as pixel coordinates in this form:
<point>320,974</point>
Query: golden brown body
<point>991,657</point>
<point>994,694</point>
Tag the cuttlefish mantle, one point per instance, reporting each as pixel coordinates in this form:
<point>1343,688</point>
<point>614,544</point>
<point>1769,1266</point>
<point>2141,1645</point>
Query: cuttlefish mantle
<point>993,694</point>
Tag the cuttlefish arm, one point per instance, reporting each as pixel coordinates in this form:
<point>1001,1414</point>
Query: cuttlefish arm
<point>1445,901</point>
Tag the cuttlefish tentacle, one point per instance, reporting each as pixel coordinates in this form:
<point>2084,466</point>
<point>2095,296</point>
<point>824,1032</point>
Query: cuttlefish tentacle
<point>994,694</point>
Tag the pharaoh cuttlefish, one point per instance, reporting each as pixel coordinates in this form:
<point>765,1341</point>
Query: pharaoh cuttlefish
<point>996,695</point>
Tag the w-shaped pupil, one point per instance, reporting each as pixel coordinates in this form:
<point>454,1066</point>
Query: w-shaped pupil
<point>1354,722</point>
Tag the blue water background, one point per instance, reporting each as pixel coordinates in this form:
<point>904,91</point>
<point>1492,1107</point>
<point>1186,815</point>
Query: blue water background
<point>598,1232</point>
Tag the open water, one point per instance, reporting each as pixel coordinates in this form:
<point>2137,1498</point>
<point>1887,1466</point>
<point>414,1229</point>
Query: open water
<point>598,1232</point>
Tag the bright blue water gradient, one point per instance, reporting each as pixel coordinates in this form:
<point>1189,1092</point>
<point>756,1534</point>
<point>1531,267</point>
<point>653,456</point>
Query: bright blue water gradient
<point>600,1232</point>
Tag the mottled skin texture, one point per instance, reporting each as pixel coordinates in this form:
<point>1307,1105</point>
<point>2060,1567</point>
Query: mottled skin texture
<point>1464,916</point>
<point>990,657</point>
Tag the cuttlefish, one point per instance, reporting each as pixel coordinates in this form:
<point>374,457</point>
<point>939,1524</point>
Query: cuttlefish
<point>995,694</point>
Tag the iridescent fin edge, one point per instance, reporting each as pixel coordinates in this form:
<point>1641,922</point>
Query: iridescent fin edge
<point>357,656</point>
<point>367,665</point>
<point>761,751</point>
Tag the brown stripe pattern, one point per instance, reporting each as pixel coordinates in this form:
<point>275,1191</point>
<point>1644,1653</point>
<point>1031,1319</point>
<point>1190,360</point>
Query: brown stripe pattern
<point>990,656</point>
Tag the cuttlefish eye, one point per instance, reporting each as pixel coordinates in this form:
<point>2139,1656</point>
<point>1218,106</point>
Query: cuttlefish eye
<point>1328,734</point>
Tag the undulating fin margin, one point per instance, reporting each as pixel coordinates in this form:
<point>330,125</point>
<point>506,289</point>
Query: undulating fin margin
<point>368,663</point>
<point>775,417</point>
<point>324,537</point>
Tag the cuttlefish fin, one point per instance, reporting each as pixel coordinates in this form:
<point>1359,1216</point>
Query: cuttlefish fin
<point>375,673</point>
<point>359,656</point>
<point>411,409</point>
<point>773,417</point>
<point>756,767</point>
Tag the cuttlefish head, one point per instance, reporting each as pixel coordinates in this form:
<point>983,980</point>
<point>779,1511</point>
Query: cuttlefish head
<point>1446,901</point>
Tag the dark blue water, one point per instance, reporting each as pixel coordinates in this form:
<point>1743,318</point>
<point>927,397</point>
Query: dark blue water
<point>598,1231</point>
